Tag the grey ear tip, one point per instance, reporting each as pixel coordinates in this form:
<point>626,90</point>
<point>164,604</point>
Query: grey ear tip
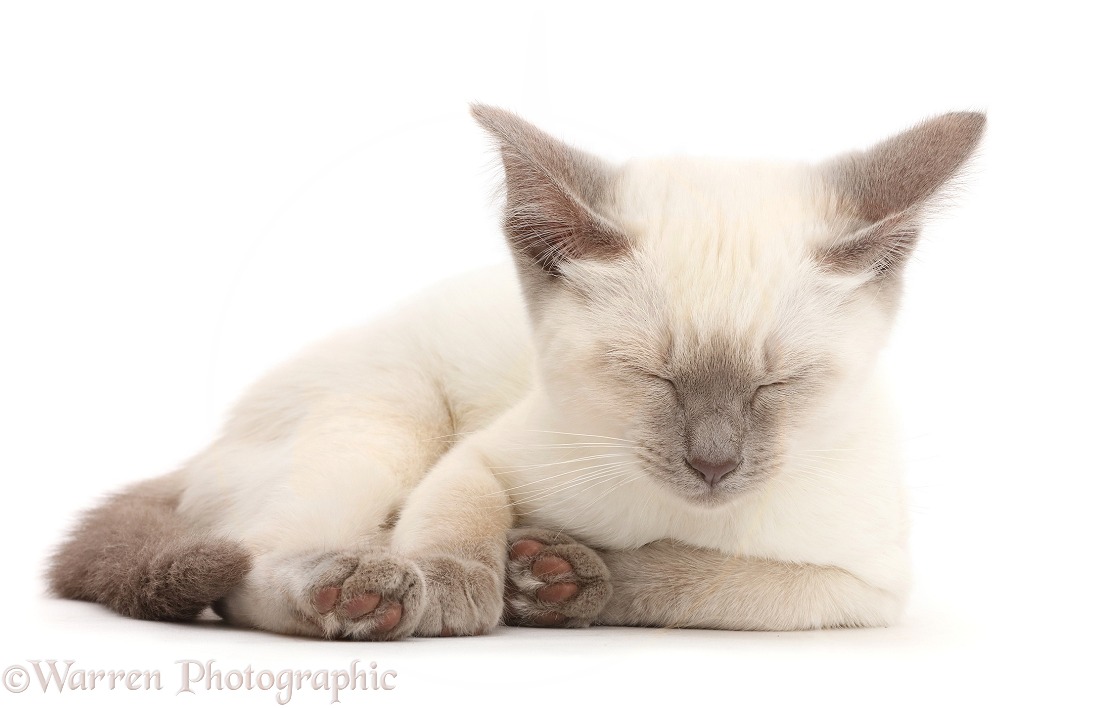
<point>481,111</point>
<point>478,108</point>
<point>972,122</point>
<point>977,119</point>
<point>489,117</point>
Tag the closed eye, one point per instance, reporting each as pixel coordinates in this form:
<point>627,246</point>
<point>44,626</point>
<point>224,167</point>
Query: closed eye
<point>666,380</point>
<point>773,385</point>
<point>772,388</point>
<point>660,378</point>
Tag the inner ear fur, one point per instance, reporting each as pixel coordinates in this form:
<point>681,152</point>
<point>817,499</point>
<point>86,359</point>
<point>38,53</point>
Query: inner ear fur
<point>887,189</point>
<point>553,195</point>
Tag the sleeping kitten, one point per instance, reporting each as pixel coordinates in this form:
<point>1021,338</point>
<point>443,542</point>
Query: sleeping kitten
<point>667,414</point>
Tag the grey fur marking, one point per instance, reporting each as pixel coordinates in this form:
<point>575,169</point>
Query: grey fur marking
<point>711,408</point>
<point>887,187</point>
<point>555,195</point>
<point>669,584</point>
<point>903,171</point>
<point>465,597</point>
<point>134,555</point>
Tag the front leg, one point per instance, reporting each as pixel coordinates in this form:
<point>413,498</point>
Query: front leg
<point>453,527</point>
<point>668,584</point>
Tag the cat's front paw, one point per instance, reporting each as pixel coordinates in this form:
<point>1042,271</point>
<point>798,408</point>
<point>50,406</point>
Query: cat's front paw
<point>464,597</point>
<point>553,581</point>
<point>369,595</point>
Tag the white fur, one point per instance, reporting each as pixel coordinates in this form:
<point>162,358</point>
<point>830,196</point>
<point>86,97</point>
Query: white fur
<point>321,450</point>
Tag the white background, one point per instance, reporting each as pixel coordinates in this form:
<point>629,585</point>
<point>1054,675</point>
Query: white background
<point>190,193</point>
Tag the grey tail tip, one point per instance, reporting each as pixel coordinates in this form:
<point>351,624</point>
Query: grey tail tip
<point>135,555</point>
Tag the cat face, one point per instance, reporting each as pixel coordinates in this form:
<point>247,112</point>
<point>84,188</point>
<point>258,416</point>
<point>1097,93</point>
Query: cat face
<point>714,315</point>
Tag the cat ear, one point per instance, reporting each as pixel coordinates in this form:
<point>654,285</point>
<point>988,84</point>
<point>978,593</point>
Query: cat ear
<point>889,188</point>
<point>553,195</point>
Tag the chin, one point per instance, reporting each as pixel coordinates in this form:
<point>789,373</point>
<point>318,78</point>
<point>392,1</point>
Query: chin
<point>705,496</point>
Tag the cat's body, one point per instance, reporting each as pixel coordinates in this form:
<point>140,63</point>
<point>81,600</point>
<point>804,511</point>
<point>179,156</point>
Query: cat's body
<point>680,375</point>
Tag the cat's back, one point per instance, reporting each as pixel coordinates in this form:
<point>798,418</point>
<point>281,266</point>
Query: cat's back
<point>475,337</point>
<point>462,346</point>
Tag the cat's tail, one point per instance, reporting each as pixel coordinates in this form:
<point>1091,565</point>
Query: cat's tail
<point>134,554</point>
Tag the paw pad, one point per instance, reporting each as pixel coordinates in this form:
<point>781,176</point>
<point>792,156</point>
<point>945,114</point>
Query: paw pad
<point>367,596</point>
<point>552,580</point>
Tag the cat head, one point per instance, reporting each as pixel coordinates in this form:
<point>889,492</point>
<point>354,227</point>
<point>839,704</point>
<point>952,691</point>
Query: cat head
<point>714,314</point>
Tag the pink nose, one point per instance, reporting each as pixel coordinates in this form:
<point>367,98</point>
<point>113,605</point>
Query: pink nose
<point>713,471</point>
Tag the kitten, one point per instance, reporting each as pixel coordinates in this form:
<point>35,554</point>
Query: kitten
<point>666,414</point>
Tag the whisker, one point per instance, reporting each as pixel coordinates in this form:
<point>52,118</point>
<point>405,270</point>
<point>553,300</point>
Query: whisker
<point>583,435</point>
<point>833,449</point>
<point>510,468</point>
<point>571,484</point>
<point>824,457</point>
<point>541,495</point>
<point>543,480</point>
<point>632,478</point>
<point>611,470</point>
<point>557,446</point>
<point>449,435</point>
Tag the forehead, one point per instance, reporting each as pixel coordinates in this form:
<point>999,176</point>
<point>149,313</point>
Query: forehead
<point>724,247</point>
